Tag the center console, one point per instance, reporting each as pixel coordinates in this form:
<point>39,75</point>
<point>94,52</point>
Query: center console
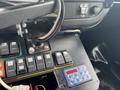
<point>64,55</point>
<point>28,54</point>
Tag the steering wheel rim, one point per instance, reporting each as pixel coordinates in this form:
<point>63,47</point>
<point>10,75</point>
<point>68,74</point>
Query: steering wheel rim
<point>57,23</point>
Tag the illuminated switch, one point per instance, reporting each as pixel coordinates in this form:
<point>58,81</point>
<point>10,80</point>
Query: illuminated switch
<point>14,49</point>
<point>31,65</point>
<point>49,61</point>
<point>59,58</point>
<point>40,62</point>
<point>67,56</point>
<point>21,66</point>
<point>10,68</point>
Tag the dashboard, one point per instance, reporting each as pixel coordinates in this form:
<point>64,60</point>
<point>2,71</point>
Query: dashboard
<point>85,13</point>
<point>25,56</point>
<point>78,13</point>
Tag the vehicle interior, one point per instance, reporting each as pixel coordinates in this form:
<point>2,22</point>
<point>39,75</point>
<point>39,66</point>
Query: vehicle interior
<point>59,44</point>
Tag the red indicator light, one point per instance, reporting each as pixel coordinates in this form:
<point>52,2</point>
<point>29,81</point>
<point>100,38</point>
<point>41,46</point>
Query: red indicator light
<point>72,71</point>
<point>1,68</point>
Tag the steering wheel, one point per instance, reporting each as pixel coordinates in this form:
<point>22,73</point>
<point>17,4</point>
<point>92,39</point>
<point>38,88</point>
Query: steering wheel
<point>16,15</point>
<point>57,24</point>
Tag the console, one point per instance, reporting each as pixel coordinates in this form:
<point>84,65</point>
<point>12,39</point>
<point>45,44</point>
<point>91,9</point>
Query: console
<point>64,55</point>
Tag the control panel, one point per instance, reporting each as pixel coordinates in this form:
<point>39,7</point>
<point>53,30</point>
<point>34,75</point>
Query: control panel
<point>33,64</point>
<point>10,48</point>
<point>90,9</point>
<point>82,9</point>
<point>22,59</point>
<point>77,75</point>
<point>84,13</point>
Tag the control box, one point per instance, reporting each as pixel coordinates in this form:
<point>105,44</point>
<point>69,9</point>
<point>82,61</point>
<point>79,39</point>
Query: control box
<point>77,75</point>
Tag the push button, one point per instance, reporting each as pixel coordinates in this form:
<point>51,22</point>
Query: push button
<point>68,58</point>
<point>40,62</point>
<point>31,64</point>
<point>49,61</point>
<point>21,67</point>
<point>4,49</point>
<point>14,49</point>
<point>59,58</point>
<point>10,68</point>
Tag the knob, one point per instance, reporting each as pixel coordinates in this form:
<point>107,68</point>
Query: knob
<point>95,10</point>
<point>84,8</point>
<point>31,50</point>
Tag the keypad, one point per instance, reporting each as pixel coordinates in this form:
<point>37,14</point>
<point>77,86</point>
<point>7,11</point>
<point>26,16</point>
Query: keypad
<point>77,75</point>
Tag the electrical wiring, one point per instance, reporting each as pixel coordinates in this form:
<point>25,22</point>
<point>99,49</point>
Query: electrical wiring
<point>57,23</point>
<point>5,85</point>
<point>19,87</point>
<point>36,87</point>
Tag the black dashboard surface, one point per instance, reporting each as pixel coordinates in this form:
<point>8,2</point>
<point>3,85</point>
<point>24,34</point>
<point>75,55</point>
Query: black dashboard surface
<point>74,13</point>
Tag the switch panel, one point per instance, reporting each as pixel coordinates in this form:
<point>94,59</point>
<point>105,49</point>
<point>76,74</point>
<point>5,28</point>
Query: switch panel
<point>79,10</point>
<point>37,62</point>
<point>77,75</point>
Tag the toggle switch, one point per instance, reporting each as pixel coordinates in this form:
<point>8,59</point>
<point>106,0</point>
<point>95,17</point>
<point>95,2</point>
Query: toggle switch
<point>21,66</point>
<point>10,68</point>
<point>4,49</point>
<point>40,62</point>
<point>49,60</point>
<point>14,49</point>
<point>31,65</point>
<point>59,58</point>
<point>68,58</point>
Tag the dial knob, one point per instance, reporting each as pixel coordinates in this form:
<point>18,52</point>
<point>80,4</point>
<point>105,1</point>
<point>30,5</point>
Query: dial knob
<point>95,10</point>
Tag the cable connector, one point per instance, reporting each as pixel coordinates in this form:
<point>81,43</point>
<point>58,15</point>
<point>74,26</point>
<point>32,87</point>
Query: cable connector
<point>20,87</point>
